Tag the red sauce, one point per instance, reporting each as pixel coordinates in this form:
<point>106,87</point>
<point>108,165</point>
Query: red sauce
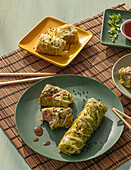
<point>36,140</point>
<point>46,143</point>
<point>38,131</point>
<point>128,29</point>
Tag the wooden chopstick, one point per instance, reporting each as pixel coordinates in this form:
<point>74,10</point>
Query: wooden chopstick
<point>123,114</point>
<point>27,74</point>
<point>116,111</point>
<point>22,81</point>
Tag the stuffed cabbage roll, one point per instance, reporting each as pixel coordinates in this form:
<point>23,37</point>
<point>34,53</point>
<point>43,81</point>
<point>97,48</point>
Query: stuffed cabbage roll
<point>51,45</point>
<point>58,117</point>
<point>125,76</point>
<point>81,130</point>
<point>55,96</point>
<point>68,33</point>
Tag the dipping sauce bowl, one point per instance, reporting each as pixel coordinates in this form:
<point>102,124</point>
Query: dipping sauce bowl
<point>126,29</point>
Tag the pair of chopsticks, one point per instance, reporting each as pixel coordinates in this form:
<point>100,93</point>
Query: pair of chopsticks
<point>116,111</point>
<point>38,76</point>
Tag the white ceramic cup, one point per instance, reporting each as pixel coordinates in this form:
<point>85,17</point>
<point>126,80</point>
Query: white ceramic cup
<point>122,28</point>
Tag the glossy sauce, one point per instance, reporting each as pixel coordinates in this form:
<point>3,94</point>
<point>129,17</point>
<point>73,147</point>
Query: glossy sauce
<point>46,143</point>
<point>36,139</point>
<point>38,131</point>
<point>128,29</point>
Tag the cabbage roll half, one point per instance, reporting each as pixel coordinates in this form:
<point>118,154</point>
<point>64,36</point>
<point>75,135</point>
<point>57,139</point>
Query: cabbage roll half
<point>81,130</point>
<point>58,117</point>
<point>125,76</point>
<point>68,33</point>
<point>55,96</point>
<point>51,45</point>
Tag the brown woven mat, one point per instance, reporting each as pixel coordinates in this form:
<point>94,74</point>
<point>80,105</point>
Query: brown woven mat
<point>96,61</point>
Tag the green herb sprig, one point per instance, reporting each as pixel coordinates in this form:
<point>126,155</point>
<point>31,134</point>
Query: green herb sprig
<point>114,26</point>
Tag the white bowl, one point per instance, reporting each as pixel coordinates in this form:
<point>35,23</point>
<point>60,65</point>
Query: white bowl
<point>122,28</point>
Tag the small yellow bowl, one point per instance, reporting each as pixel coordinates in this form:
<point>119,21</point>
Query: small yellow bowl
<point>29,42</point>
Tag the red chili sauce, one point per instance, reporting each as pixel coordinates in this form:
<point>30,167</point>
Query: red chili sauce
<point>46,143</point>
<point>128,29</point>
<point>38,131</point>
<point>36,139</point>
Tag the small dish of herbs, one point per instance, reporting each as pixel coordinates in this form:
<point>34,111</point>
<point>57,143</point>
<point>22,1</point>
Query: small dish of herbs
<point>110,33</point>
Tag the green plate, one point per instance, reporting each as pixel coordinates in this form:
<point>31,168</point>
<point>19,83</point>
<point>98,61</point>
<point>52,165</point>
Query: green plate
<point>122,62</point>
<point>105,36</point>
<point>28,113</point>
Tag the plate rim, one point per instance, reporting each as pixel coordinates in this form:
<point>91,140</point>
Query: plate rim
<point>67,160</point>
<point>46,58</point>
<point>103,23</point>
<point>113,74</point>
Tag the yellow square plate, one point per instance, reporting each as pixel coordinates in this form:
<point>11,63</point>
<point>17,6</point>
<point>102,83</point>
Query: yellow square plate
<point>47,25</point>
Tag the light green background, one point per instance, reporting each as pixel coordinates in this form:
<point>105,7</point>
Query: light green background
<point>17,17</point>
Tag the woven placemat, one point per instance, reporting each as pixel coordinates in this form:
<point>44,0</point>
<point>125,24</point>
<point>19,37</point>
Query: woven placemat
<point>95,61</point>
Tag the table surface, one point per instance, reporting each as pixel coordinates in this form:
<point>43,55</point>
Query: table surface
<point>17,18</point>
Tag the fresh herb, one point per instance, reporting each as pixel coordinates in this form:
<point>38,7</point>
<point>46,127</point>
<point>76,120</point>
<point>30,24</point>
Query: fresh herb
<point>114,26</point>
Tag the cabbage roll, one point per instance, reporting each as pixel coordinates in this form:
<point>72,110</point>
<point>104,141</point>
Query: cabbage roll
<point>55,96</point>
<point>125,76</point>
<point>68,33</point>
<point>83,127</point>
<point>51,45</point>
<point>58,117</point>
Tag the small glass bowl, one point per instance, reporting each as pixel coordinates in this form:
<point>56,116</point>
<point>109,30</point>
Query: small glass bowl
<point>122,28</point>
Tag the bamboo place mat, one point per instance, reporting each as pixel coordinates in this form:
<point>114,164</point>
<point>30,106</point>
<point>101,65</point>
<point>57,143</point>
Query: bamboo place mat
<point>95,61</point>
